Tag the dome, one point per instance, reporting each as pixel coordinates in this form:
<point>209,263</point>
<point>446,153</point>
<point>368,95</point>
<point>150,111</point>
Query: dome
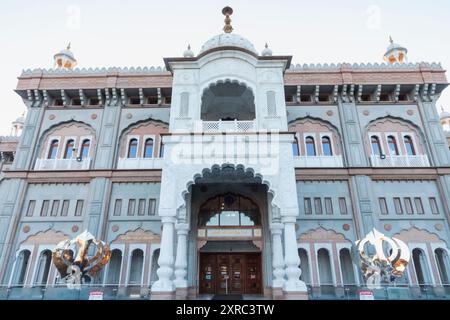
<point>395,53</point>
<point>228,40</point>
<point>444,114</point>
<point>188,53</point>
<point>267,51</point>
<point>66,52</point>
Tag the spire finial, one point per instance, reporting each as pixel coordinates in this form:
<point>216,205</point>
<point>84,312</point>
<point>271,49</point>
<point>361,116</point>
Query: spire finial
<point>68,46</point>
<point>189,46</point>
<point>442,108</point>
<point>266,45</point>
<point>227,12</point>
<point>391,40</point>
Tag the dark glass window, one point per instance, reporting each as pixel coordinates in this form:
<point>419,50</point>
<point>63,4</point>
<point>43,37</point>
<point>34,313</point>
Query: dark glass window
<point>30,209</point>
<point>44,209</point>
<point>68,153</point>
<point>310,147</point>
<point>343,205</point>
<point>118,207</point>
<point>393,148</point>
<point>132,148</point>
<point>308,206</point>
<point>328,206</point>
<point>326,146</point>
<point>419,206</point>
<point>65,208</point>
<point>148,151</point>
<point>131,207</point>
<point>383,206</point>
<point>53,151</point>
<point>295,150</point>
<point>141,207</point>
<point>85,148</point>
<point>376,146</point>
<point>434,206</point>
<point>318,205</point>
<point>409,145</point>
<point>398,206</point>
<point>79,208</point>
<point>152,207</point>
<point>55,208</point>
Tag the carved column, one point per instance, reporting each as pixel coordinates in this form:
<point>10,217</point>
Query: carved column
<point>181,257</point>
<point>292,259</point>
<point>165,261</point>
<point>277,255</point>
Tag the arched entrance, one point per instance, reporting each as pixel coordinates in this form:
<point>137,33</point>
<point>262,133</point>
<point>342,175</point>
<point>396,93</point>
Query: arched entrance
<point>229,246</point>
<point>230,262</point>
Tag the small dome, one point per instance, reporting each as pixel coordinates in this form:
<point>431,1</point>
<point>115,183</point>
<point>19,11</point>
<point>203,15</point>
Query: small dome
<point>395,53</point>
<point>267,51</point>
<point>444,114</point>
<point>65,59</point>
<point>228,40</point>
<point>188,53</point>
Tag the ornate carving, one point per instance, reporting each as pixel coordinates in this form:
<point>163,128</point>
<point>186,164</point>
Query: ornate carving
<point>417,235</point>
<point>138,236</point>
<point>46,237</point>
<point>322,235</point>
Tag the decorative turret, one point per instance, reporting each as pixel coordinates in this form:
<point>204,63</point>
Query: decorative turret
<point>188,53</point>
<point>395,53</point>
<point>267,51</point>
<point>17,126</point>
<point>65,59</point>
<point>444,117</point>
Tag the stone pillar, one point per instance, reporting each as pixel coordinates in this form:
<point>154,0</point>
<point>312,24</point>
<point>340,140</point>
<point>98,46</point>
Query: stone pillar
<point>294,288</point>
<point>164,287</point>
<point>181,261</point>
<point>277,259</point>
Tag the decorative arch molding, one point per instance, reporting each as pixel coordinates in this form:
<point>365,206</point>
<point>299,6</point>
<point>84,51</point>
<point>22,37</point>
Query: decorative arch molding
<point>326,125</point>
<point>415,234</point>
<point>49,236</point>
<point>393,119</point>
<point>322,235</point>
<point>225,81</point>
<point>239,167</point>
<point>143,123</point>
<point>66,124</point>
<point>138,235</point>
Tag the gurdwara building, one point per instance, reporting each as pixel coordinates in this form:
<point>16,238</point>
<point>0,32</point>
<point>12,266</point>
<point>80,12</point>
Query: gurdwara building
<point>228,171</point>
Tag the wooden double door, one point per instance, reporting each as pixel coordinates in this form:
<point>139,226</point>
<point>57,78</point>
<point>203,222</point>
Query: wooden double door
<point>225,273</point>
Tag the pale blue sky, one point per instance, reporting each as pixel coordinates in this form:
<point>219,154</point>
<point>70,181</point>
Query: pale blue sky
<point>107,33</point>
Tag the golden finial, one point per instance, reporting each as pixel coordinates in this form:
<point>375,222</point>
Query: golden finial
<point>227,12</point>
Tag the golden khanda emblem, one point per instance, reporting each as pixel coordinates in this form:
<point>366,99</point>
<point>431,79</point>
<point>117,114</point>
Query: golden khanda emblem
<point>75,266</point>
<point>387,263</point>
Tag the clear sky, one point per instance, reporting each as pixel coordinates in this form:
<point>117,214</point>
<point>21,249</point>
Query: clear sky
<point>106,33</point>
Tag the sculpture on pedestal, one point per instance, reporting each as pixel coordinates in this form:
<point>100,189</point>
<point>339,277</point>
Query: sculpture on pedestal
<point>75,266</point>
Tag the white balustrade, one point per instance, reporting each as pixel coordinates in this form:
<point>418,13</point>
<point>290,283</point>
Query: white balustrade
<point>318,162</point>
<point>140,163</point>
<point>62,164</point>
<point>231,126</point>
<point>400,161</point>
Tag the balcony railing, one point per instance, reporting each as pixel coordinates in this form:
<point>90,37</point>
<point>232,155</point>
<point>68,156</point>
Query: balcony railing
<point>140,163</point>
<point>400,161</point>
<point>63,164</point>
<point>230,126</point>
<point>143,292</point>
<point>318,162</point>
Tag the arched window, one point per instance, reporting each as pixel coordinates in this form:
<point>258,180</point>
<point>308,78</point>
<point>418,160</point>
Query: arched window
<point>68,153</point>
<point>409,145</point>
<point>148,150</point>
<point>132,148</point>
<point>85,146</point>
<point>393,149</point>
<point>43,268</point>
<point>443,265</point>
<point>22,262</point>
<point>155,266</point>
<point>137,262</point>
<point>304,266</point>
<point>421,266</point>
<point>326,146</point>
<point>295,150</point>
<point>376,146</point>
<point>310,146</point>
<point>348,276</point>
<point>114,268</point>
<point>325,275</point>
<point>53,150</point>
<point>229,210</point>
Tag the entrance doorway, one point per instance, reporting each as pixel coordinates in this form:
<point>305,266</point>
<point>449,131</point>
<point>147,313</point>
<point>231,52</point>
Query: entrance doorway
<point>230,273</point>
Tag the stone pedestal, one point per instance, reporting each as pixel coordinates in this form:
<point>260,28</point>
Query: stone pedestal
<point>155,295</point>
<point>299,295</point>
<point>181,294</point>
